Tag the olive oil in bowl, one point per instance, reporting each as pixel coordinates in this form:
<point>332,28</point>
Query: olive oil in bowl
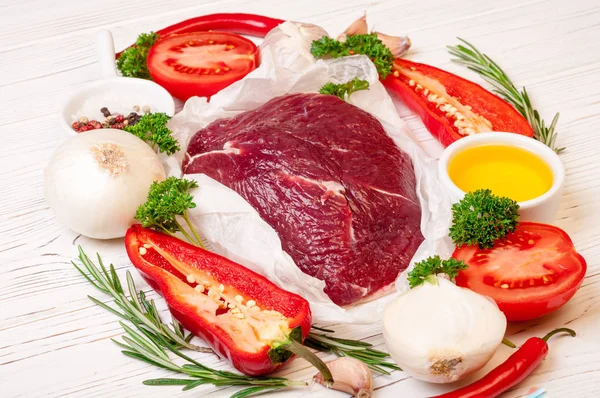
<point>506,170</point>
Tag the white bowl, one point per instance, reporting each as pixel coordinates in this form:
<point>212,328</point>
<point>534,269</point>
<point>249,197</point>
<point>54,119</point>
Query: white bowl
<point>542,209</point>
<point>118,94</point>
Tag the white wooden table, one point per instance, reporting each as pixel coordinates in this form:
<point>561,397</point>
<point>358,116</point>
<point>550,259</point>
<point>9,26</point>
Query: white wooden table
<point>55,342</point>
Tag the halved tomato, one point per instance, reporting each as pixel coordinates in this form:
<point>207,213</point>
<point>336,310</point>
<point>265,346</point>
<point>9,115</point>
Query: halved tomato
<point>534,271</point>
<point>200,63</point>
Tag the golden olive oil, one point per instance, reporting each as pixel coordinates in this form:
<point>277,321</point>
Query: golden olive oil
<point>506,170</point>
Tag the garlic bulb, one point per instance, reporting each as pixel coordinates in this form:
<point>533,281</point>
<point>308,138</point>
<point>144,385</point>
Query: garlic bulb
<point>95,182</point>
<point>350,375</point>
<point>441,332</point>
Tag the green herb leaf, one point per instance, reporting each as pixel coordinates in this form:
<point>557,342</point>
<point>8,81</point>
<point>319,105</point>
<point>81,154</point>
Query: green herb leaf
<point>166,200</point>
<point>481,218</point>
<point>344,89</point>
<point>147,340</point>
<point>357,349</point>
<point>367,44</point>
<point>478,62</point>
<point>152,128</point>
<point>132,62</point>
<point>426,270</point>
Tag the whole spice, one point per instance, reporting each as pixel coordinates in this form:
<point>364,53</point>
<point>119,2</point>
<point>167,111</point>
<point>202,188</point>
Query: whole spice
<point>358,27</point>
<point>510,373</point>
<point>242,315</point>
<point>350,375</point>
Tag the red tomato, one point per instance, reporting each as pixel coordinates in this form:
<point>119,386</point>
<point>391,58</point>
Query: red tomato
<point>452,107</point>
<point>200,63</point>
<point>534,271</point>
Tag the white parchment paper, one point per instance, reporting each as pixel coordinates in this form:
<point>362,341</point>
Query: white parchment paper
<point>234,229</point>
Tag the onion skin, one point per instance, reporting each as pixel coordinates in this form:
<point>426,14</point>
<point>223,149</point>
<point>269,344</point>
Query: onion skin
<point>95,181</point>
<point>440,333</point>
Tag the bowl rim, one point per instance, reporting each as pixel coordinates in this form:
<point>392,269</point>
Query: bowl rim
<point>529,144</point>
<point>108,81</point>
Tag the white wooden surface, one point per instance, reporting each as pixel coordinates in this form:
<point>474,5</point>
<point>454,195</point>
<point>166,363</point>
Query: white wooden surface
<point>55,342</point>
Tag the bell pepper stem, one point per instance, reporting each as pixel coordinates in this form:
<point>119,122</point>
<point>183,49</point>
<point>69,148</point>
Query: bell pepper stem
<point>303,352</point>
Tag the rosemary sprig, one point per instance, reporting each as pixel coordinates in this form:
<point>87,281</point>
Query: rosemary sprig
<point>473,59</point>
<point>357,349</point>
<point>135,309</point>
<point>150,340</point>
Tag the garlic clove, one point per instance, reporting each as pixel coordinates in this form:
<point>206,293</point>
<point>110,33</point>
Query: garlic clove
<point>358,27</point>
<point>350,375</point>
<point>398,45</point>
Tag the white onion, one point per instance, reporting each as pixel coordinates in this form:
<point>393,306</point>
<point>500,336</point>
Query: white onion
<point>95,182</point>
<point>441,332</point>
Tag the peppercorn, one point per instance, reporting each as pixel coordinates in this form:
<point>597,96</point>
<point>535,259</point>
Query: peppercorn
<point>136,108</point>
<point>83,119</point>
<point>105,111</point>
<point>146,109</point>
<point>119,118</point>
<point>75,125</point>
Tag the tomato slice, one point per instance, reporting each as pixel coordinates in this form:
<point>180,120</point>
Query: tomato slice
<point>531,273</point>
<point>452,107</point>
<point>200,63</point>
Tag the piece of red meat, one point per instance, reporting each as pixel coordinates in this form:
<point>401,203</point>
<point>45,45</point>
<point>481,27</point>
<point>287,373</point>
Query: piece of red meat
<point>325,175</point>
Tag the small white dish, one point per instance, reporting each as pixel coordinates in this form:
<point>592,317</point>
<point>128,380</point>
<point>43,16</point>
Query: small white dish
<point>127,91</point>
<point>542,209</point>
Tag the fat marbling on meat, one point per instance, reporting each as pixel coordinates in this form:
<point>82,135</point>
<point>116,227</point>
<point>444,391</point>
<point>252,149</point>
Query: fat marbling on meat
<point>328,179</point>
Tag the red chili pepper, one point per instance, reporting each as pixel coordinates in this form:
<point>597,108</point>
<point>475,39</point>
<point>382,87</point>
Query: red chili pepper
<point>242,315</point>
<point>243,24</point>
<point>450,106</point>
<point>516,368</point>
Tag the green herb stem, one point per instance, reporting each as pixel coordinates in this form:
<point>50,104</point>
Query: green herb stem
<point>356,349</point>
<point>344,90</point>
<point>150,340</point>
<point>480,63</point>
<point>427,269</point>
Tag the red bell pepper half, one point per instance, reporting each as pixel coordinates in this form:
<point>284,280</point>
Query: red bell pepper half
<point>450,106</point>
<point>242,315</point>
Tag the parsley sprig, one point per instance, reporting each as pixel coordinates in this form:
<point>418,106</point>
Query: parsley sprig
<point>427,270</point>
<point>367,44</point>
<point>481,218</point>
<point>167,200</point>
<point>132,62</point>
<point>344,90</point>
<point>152,128</point>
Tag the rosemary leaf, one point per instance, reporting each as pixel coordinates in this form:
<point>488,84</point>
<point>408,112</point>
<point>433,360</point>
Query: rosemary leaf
<point>469,56</point>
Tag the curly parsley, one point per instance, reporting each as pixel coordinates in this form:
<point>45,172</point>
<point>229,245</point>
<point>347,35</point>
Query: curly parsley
<point>481,218</point>
<point>132,62</point>
<point>344,90</point>
<point>167,200</point>
<point>367,44</point>
<point>427,270</point>
<point>152,128</point>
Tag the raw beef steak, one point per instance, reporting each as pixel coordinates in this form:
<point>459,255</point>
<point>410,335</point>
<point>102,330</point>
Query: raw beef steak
<point>324,174</point>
